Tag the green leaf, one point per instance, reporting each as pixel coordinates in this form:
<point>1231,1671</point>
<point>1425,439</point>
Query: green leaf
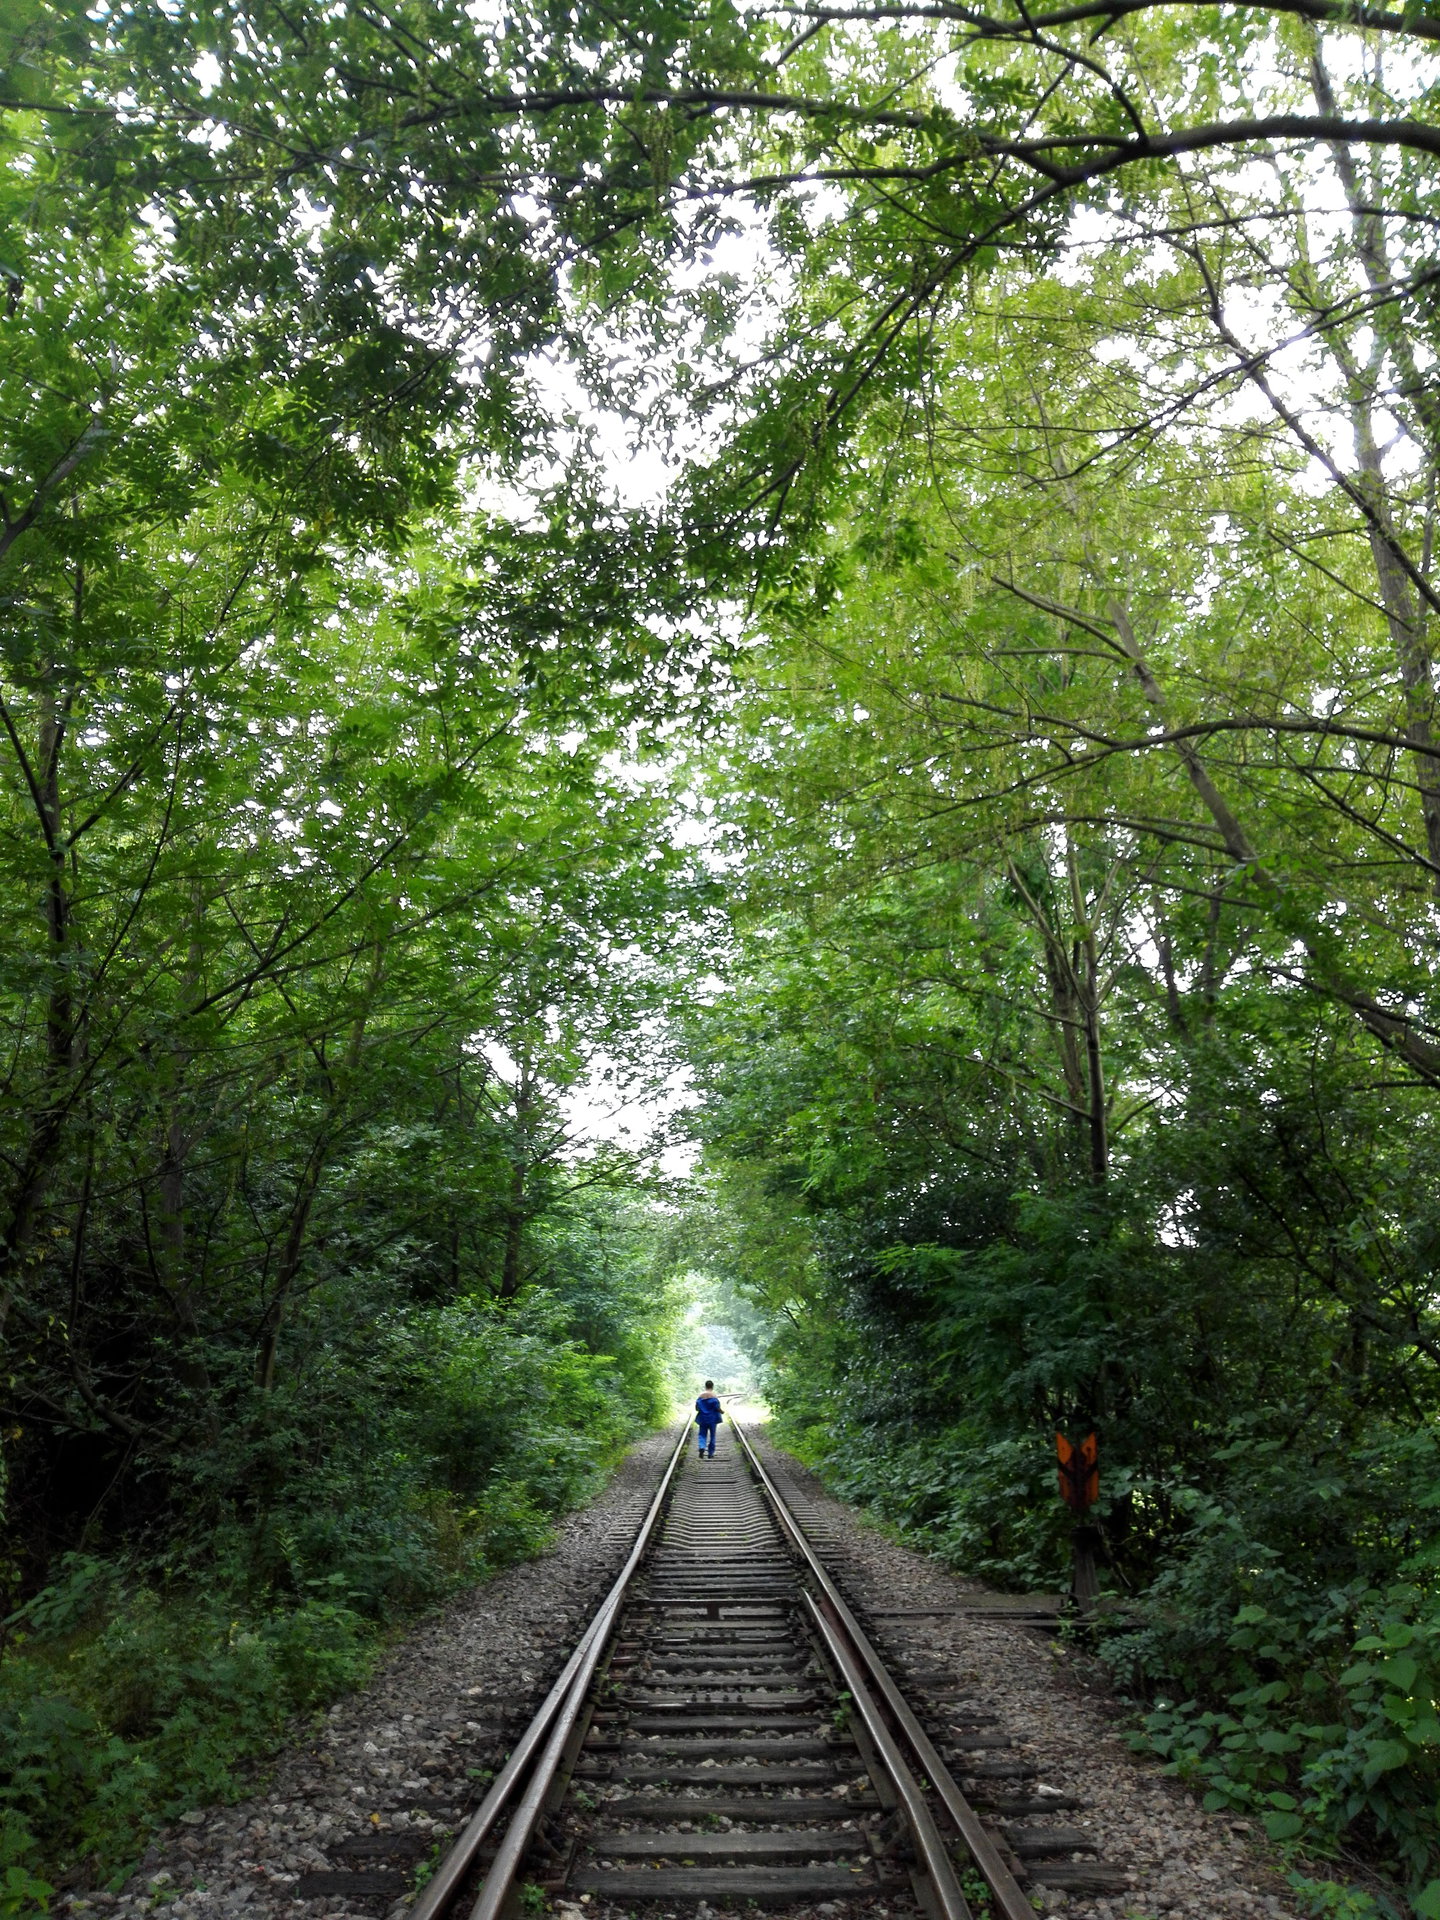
<point>1283,1826</point>
<point>1274,1741</point>
<point>1384,1756</point>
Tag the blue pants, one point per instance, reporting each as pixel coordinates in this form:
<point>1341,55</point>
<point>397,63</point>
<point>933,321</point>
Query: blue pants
<point>707,1433</point>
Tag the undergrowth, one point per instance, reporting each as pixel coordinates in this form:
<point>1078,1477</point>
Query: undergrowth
<point>122,1705</point>
<point>1270,1664</point>
<point>135,1686</point>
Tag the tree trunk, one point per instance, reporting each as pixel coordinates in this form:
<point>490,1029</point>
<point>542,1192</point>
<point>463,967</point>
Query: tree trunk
<point>52,1109</point>
<point>517,1213</point>
<point>292,1253</point>
<point>1088,996</point>
<point>511,1275</point>
<point>291,1258</point>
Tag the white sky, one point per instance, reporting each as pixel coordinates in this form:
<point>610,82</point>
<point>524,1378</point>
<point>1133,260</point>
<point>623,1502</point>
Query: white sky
<point>594,1112</point>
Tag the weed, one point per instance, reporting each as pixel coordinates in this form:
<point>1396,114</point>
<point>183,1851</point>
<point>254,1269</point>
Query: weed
<point>22,1892</point>
<point>1330,1900</point>
<point>976,1891</point>
<point>425,1869</point>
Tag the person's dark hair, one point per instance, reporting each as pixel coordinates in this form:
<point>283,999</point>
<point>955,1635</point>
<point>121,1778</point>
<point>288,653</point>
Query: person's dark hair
<point>708,1385</point>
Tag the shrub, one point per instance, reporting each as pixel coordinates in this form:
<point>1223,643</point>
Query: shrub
<point>22,1893</point>
<point>110,1725</point>
<point>1288,1678</point>
<point>422,1451</point>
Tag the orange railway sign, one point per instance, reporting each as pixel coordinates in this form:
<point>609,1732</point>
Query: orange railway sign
<point>1079,1473</point>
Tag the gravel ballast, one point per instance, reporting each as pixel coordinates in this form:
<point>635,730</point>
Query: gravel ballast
<point>384,1779</point>
<point>1059,1713</point>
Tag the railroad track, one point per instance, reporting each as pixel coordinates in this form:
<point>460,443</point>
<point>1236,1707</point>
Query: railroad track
<point>725,1735</point>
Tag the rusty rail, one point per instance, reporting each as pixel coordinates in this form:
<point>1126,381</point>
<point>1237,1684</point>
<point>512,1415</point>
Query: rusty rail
<point>1008,1901</point>
<point>929,1847</point>
<point>519,1785</point>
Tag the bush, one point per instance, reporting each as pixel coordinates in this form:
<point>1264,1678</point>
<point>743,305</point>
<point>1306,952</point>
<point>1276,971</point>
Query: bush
<point>1288,1677</point>
<point>22,1893</point>
<point>1341,1744</point>
<point>424,1450</point>
<point>109,1726</point>
<point>973,1503</point>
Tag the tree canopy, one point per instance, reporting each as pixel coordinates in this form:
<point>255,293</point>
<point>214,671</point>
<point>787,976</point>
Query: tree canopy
<point>879,556</point>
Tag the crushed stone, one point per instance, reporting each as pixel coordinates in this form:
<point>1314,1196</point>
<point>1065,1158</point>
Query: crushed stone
<point>386,1777</point>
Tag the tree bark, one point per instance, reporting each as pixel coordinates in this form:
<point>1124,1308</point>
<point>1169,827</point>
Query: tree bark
<point>517,1213</point>
<point>52,1108</point>
<point>292,1255</point>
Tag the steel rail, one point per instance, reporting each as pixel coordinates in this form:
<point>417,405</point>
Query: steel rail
<point>934,1857</point>
<point>1009,1901</point>
<point>553,1723</point>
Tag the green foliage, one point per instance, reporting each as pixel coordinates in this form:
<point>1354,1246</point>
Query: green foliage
<point>329,893</point>
<point>446,1444</point>
<point>22,1892</point>
<point>1076,794</point>
<point>1044,1093</point>
<point>969,1499</point>
<point>162,1704</point>
<point>1334,1731</point>
<point>1330,1900</point>
<point>976,1890</point>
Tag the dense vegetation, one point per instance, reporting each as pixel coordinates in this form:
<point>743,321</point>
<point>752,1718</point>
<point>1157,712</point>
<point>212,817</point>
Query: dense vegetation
<point>983,465</point>
<point>1080,858</point>
<point>316,879</point>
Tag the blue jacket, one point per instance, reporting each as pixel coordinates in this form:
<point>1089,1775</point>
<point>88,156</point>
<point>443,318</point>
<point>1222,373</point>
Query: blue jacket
<point>707,1410</point>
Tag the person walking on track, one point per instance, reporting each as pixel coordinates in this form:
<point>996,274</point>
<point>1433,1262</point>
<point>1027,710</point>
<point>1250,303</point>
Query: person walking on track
<point>707,1417</point>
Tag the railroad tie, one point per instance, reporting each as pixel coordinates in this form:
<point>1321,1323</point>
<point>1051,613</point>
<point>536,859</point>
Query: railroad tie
<point>727,1778</point>
<point>725,1732</point>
